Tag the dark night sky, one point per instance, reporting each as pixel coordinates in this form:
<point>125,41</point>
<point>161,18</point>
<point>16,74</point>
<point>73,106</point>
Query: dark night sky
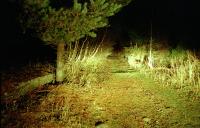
<point>175,19</point>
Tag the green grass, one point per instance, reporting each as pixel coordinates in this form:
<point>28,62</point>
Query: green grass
<point>177,68</point>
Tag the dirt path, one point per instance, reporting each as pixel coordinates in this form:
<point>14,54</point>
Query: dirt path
<point>131,100</point>
<point>127,101</point>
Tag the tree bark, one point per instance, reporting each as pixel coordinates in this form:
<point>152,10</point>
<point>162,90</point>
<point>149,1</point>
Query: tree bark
<point>60,62</point>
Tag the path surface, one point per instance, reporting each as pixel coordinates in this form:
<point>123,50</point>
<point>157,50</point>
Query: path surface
<point>131,100</point>
<point>128,101</point>
<point>125,100</point>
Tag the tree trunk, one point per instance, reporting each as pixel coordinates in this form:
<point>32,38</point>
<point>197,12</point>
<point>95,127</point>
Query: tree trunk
<point>60,62</point>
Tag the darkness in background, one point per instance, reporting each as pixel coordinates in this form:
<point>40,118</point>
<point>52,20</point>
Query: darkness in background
<point>175,19</point>
<point>17,49</point>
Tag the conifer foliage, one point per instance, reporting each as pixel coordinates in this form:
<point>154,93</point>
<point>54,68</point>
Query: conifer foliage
<point>64,25</point>
<point>67,24</point>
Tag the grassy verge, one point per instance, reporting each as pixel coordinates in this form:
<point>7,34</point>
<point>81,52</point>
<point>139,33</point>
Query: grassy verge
<point>177,68</point>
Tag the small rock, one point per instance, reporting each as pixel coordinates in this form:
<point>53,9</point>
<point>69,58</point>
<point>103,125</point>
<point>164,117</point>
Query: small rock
<point>101,124</point>
<point>147,120</point>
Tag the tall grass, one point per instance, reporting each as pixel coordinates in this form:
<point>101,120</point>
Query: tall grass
<point>177,68</point>
<point>85,63</point>
<point>136,56</point>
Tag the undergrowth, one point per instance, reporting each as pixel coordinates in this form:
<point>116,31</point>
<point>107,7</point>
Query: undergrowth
<point>85,64</point>
<point>177,68</point>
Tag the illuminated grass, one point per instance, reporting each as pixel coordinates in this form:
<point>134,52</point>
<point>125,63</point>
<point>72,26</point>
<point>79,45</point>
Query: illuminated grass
<point>177,68</point>
<point>85,64</point>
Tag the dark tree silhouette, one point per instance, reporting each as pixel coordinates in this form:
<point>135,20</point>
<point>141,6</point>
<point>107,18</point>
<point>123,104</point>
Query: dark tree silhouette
<point>59,24</point>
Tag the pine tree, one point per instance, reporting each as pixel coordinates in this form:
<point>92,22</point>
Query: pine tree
<point>64,25</point>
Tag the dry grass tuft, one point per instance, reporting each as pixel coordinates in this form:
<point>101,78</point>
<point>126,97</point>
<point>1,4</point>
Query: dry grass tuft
<point>85,65</point>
